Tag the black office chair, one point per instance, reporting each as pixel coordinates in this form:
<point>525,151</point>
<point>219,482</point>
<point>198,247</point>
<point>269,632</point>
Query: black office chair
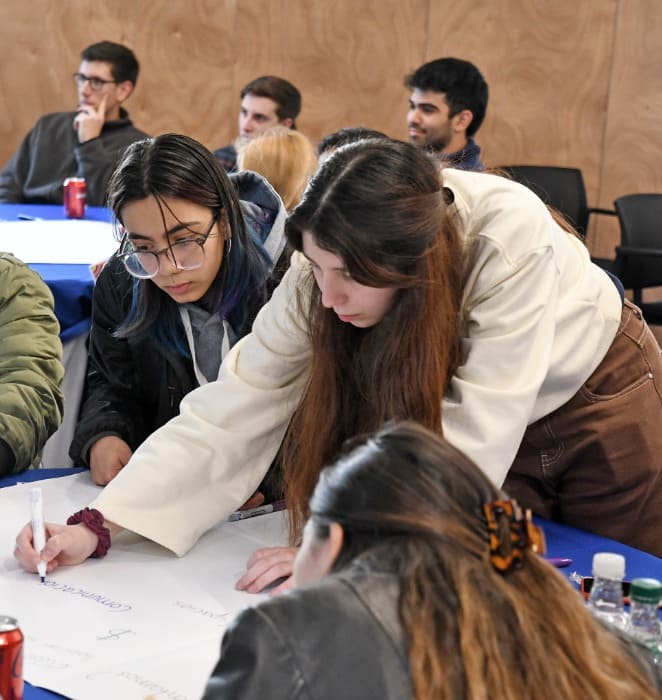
<point>639,256</point>
<point>563,189</point>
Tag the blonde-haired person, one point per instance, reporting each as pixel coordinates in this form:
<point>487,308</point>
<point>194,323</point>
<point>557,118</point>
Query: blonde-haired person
<point>286,158</point>
<point>423,581</point>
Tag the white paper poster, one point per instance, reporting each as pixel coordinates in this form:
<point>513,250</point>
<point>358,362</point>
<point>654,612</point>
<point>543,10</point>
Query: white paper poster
<point>76,242</point>
<point>139,622</point>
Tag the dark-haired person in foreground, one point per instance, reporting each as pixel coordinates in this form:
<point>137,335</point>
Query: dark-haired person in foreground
<point>446,108</point>
<point>86,143</point>
<point>408,586</point>
<point>266,102</point>
<point>349,134</point>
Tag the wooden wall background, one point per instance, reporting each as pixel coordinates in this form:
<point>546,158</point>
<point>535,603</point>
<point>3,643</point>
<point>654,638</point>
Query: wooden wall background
<point>573,82</point>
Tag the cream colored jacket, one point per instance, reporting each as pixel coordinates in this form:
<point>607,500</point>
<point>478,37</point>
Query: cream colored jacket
<point>537,318</point>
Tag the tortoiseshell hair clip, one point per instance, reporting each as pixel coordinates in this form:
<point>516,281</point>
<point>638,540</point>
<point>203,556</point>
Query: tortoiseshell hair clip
<point>507,545</point>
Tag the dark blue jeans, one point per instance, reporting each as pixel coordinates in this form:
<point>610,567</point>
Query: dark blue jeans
<point>596,462</point>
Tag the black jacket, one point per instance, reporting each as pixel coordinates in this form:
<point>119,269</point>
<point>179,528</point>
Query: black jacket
<point>134,386</point>
<point>337,639</point>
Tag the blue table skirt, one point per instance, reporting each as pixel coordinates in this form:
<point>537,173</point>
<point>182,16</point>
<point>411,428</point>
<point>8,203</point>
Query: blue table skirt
<point>72,285</point>
<point>38,475</point>
<point>562,541</point>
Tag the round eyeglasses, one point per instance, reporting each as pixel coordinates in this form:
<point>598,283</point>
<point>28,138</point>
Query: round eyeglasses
<point>95,83</point>
<point>184,254</point>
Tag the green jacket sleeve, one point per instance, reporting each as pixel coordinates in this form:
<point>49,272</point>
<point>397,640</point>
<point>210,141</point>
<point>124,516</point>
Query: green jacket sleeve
<point>31,368</point>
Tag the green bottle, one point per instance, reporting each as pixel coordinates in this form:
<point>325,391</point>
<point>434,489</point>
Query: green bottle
<point>644,621</point>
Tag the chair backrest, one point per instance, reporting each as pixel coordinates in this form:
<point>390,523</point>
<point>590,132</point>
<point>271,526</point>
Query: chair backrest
<point>640,217</point>
<point>561,188</point>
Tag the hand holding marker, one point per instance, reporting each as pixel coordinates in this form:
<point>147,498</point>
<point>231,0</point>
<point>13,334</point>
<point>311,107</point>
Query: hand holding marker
<point>38,529</point>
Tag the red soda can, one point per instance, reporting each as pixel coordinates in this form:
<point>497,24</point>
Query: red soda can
<point>75,195</point>
<point>11,659</point>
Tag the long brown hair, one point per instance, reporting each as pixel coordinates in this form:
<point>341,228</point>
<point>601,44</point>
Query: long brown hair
<point>412,504</point>
<point>380,206</point>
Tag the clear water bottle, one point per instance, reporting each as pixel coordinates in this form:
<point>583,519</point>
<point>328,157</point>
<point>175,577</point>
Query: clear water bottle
<point>606,597</point>
<point>644,622</point>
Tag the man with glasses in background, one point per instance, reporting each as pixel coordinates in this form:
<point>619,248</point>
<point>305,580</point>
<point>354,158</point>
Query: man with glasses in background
<point>86,143</point>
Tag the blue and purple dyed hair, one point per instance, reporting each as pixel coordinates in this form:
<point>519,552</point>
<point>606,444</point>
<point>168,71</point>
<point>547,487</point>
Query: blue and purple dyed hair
<point>176,166</point>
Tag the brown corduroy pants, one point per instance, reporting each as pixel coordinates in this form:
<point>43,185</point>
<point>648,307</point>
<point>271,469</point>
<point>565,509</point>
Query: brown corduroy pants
<point>596,462</point>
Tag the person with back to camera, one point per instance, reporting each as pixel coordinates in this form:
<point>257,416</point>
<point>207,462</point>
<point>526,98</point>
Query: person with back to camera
<point>86,143</point>
<point>455,299</point>
<point>286,158</point>
<point>194,267</point>
<point>447,106</point>
<point>409,571</point>
<point>31,368</point>
<point>348,134</point>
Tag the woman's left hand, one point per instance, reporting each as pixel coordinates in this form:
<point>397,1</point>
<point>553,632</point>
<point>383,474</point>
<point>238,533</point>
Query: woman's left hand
<point>267,565</point>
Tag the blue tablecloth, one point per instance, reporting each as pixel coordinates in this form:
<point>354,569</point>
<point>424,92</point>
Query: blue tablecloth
<point>71,285</point>
<point>562,541</point>
<point>51,212</point>
<point>37,475</point>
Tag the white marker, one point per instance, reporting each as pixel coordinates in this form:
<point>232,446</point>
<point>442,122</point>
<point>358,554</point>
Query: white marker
<point>38,529</point>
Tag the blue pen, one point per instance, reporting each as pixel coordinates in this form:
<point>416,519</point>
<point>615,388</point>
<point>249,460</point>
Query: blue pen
<point>27,217</point>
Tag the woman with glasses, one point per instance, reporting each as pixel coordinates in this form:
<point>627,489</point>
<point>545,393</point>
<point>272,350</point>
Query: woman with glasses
<point>194,267</point>
<point>418,578</point>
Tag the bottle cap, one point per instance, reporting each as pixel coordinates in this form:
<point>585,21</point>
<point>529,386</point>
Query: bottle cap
<point>646,590</point>
<point>608,565</point>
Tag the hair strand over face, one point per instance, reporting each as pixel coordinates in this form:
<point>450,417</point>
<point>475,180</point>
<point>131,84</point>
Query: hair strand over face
<point>379,206</point>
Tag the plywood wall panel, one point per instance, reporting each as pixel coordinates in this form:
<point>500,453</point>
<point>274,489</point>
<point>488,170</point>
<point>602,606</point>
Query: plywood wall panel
<point>40,43</point>
<point>348,58</point>
<point>188,54</point>
<point>632,156</point>
<point>547,64</point>
<point>633,145</point>
<point>573,82</point>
